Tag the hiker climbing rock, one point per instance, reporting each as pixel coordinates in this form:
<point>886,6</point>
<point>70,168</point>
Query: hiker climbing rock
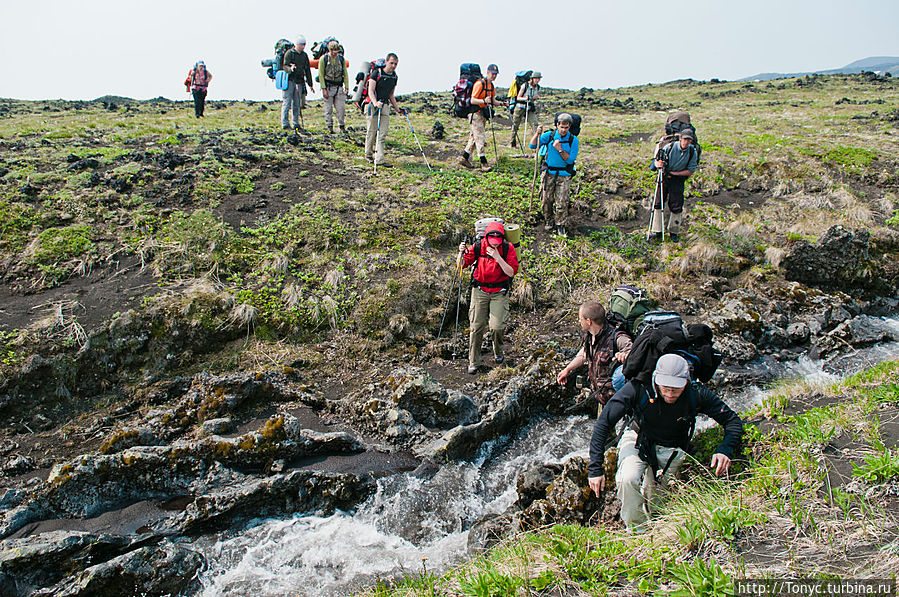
<point>483,102</point>
<point>526,107</point>
<point>675,161</point>
<point>334,81</point>
<point>381,87</point>
<point>654,445</point>
<point>604,351</point>
<point>495,263</point>
<point>559,149</point>
<point>296,63</point>
<point>197,82</point>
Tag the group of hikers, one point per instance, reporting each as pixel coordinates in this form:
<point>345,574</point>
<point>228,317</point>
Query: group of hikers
<point>651,395</point>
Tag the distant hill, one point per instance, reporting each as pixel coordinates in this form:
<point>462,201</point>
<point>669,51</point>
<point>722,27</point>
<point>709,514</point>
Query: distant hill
<point>881,64</point>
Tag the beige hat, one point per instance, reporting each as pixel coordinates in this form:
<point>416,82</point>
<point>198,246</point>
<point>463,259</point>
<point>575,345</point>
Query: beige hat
<point>333,45</point>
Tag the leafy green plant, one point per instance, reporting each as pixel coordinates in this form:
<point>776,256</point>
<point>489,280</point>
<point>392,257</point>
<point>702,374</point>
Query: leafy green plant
<point>490,583</point>
<point>701,579</point>
<point>878,467</point>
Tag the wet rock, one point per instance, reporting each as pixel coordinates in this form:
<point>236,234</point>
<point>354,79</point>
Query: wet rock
<point>164,569</point>
<point>864,331</point>
<point>488,531</point>
<point>739,313</point>
<point>429,403</point>
<point>532,483</point>
<point>217,426</point>
<point>838,260</point>
<point>735,348</point>
<point>568,498</point>
<point>17,464</point>
<point>798,333</point>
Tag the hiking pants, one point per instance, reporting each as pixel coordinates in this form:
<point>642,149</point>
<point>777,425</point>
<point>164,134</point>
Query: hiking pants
<point>637,488</point>
<point>486,307</point>
<point>199,101</point>
<point>672,189</point>
<point>336,99</point>
<point>372,149</point>
<point>554,197</point>
<point>292,102</point>
<point>477,134</point>
<point>518,117</point>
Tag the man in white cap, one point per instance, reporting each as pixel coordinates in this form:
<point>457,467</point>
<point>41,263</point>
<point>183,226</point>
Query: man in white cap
<point>296,63</point>
<point>654,445</point>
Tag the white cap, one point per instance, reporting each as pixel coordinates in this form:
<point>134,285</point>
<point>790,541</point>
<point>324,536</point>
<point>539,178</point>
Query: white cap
<point>301,40</point>
<point>672,371</point>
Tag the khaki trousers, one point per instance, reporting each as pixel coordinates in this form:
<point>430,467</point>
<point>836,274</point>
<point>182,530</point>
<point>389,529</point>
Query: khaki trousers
<point>477,134</point>
<point>373,149</point>
<point>486,308</point>
<point>638,490</point>
<point>518,116</point>
<point>336,99</point>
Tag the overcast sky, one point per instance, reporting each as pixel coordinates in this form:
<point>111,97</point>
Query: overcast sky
<point>143,49</point>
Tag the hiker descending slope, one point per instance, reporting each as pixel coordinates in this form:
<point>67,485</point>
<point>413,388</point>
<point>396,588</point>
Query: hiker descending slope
<point>381,95</point>
<point>197,82</point>
<point>483,102</point>
<point>654,445</point>
<point>604,351</point>
<point>334,81</point>
<point>495,263</point>
<point>526,107</point>
<point>296,63</point>
<point>676,160</point>
<point>559,149</point>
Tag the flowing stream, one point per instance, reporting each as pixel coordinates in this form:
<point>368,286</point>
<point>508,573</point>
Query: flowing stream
<point>411,524</point>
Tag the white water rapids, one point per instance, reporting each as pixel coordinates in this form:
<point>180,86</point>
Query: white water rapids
<point>411,523</point>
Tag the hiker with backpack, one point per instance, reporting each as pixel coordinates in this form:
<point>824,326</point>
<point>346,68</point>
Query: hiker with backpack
<point>299,75</point>
<point>197,82</point>
<point>495,263</point>
<point>334,81</point>
<point>604,351</point>
<point>676,161</point>
<point>559,149</point>
<point>381,95</point>
<point>653,446</point>
<point>526,106</point>
<point>483,101</point>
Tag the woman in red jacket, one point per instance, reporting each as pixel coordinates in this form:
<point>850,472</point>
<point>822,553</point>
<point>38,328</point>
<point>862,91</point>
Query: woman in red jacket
<point>495,263</point>
<point>197,81</point>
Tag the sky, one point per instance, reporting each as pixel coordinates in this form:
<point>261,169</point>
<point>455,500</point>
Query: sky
<point>143,49</point>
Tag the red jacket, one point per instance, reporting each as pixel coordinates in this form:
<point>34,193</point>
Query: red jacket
<point>487,269</point>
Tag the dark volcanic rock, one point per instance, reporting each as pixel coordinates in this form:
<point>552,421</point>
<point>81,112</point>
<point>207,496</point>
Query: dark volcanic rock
<point>839,260</point>
<point>85,164</point>
<point>568,498</point>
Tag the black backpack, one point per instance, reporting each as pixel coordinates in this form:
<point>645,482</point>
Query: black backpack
<point>664,332</point>
<point>469,73</point>
<point>575,122</point>
<point>674,124</point>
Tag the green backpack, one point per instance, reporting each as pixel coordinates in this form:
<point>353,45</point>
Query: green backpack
<point>627,306</point>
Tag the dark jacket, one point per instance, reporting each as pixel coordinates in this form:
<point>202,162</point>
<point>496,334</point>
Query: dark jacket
<point>664,424</point>
<point>302,71</point>
<point>651,344</point>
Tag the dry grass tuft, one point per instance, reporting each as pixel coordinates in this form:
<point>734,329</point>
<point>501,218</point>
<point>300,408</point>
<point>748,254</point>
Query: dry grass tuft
<point>523,294</point>
<point>242,315</point>
<point>619,210</point>
<point>701,257</point>
<point>774,256</point>
<point>335,278</point>
<point>277,263</point>
<point>292,295</point>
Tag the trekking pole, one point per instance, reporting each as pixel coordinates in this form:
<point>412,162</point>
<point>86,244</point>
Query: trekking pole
<point>652,206</point>
<point>493,132</point>
<point>534,181</point>
<point>662,201</point>
<point>458,308</point>
<point>377,134</point>
<point>525,134</point>
<point>406,114</point>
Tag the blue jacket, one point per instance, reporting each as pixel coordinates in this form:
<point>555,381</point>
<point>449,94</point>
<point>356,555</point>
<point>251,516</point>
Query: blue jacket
<point>554,162</point>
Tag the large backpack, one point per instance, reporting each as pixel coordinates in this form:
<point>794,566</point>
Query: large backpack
<point>575,122</point>
<point>374,67</point>
<point>664,332</point>
<point>521,77</point>
<point>469,72</point>
<point>627,306</point>
<point>320,48</point>
<point>570,168</point>
<point>674,124</point>
<point>276,63</point>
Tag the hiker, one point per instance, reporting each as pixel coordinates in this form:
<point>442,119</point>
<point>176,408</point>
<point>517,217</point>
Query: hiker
<point>495,263</point>
<point>197,82</point>
<point>604,351</point>
<point>654,445</point>
<point>677,161</point>
<point>296,63</point>
<point>526,106</point>
<point>483,100</point>
<point>334,81</point>
<point>381,88</point>
<point>558,167</point>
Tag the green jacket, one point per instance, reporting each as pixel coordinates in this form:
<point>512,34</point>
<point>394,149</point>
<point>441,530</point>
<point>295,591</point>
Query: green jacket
<point>321,72</point>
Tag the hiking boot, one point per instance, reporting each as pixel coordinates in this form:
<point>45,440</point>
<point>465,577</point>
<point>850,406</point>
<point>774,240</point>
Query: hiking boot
<point>548,227</point>
<point>562,231</point>
<point>513,144</point>
<point>330,130</point>
<point>466,162</point>
<point>486,168</point>
<point>342,130</point>
<point>472,369</point>
<point>370,159</point>
<point>654,237</point>
<point>674,237</point>
<point>284,127</point>
<point>499,359</point>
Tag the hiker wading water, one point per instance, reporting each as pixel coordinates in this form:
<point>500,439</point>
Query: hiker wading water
<point>296,63</point>
<point>483,101</point>
<point>334,81</point>
<point>496,262</point>
<point>526,107</point>
<point>677,161</point>
<point>652,448</point>
<point>197,82</point>
<point>381,88</point>
<point>605,349</point>
<point>560,147</point>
